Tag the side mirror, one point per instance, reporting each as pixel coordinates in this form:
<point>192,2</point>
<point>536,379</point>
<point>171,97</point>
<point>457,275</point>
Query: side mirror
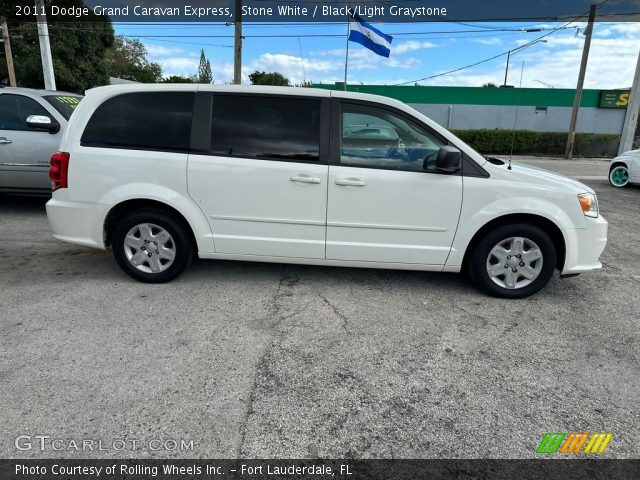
<point>449,159</point>
<point>42,122</point>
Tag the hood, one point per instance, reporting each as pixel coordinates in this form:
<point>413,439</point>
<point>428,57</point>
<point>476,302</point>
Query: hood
<point>540,176</point>
<point>630,153</point>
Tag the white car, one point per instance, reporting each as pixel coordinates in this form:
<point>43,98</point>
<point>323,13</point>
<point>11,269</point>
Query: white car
<point>625,169</point>
<point>164,173</point>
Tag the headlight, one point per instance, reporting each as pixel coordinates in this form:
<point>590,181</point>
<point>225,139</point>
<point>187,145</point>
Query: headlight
<point>589,204</point>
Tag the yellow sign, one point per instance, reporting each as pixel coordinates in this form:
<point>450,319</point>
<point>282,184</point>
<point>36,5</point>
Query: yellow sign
<point>614,99</point>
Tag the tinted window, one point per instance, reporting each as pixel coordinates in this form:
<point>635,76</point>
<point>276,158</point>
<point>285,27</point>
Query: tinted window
<point>378,138</point>
<point>64,104</point>
<point>142,121</point>
<point>266,127</point>
<point>14,110</point>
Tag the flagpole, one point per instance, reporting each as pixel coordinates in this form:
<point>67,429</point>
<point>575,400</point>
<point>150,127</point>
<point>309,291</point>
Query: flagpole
<point>346,58</point>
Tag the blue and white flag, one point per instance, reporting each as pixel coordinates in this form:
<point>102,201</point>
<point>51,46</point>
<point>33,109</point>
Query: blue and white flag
<point>363,33</point>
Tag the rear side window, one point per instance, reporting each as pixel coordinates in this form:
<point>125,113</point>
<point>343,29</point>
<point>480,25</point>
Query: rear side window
<point>64,104</point>
<point>266,127</point>
<point>142,121</point>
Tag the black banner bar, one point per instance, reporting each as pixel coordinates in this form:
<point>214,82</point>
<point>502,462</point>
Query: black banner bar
<point>183,469</point>
<point>378,11</point>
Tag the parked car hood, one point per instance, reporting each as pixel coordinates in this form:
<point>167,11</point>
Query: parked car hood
<point>630,153</point>
<point>540,176</point>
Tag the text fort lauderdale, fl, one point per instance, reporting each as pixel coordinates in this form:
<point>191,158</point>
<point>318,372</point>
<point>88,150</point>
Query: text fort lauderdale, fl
<point>170,469</point>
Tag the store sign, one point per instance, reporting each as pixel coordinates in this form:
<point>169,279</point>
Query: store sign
<point>614,98</point>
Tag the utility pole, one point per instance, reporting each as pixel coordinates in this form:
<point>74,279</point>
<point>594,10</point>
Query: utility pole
<point>7,51</point>
<point>633,109</point>
<point>506,71</point>
<point>237,45</point>
<point>45,47</point>
<point>568,154</point>
<point>516,50</point>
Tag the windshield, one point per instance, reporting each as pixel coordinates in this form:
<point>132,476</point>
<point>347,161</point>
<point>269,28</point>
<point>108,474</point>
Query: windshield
<point>65,104</point>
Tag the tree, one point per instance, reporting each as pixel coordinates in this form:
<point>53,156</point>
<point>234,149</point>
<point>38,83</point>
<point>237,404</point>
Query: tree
<point>489,85</point>
<point>78,50</point>
<point>264,78</point>
<point>179,79</point>
<point>127,59</point>
<point>204,69</point>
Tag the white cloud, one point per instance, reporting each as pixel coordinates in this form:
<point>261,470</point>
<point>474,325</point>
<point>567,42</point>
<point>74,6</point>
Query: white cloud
<point>410,46</point>
<point>178,66</point>
<point>612,62</point>
<point>162,50</point>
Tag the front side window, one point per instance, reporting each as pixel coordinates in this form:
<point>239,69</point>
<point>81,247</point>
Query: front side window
<point>266,127</point>
<point>15,109</point>
<point>158,121</point>
<point>377,138</point>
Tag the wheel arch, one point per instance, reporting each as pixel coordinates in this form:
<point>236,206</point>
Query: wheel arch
<point>618,163</point>
<point>544,223</point>
<point>118,211</point>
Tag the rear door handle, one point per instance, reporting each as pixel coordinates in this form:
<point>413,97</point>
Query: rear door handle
<point>301,178</point>
<point>4,141</point>
<point>350,182</point>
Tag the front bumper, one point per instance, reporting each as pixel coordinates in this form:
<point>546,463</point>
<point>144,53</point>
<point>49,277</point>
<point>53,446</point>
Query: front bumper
<point>585,245</point>
<point>75,222</point>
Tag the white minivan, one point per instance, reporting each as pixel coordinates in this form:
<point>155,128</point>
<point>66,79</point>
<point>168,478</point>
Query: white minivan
<point>162,173</point>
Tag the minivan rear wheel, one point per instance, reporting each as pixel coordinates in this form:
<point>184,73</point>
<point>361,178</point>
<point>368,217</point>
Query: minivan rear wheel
<point>513,261</point>
<point>151,246</point>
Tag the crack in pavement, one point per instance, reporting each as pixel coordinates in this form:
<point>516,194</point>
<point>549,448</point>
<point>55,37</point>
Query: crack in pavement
<point>342,316</point>
<point>272,315</point>
<point>273,319</point>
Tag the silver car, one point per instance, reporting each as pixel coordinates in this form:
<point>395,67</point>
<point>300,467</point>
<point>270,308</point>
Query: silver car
<point>32,123</point>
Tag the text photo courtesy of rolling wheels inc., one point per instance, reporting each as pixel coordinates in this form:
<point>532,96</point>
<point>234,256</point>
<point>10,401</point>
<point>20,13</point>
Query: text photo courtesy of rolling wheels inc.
<point>312,239</point>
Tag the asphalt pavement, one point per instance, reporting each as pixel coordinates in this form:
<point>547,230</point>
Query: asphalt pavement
<point>259,360</point>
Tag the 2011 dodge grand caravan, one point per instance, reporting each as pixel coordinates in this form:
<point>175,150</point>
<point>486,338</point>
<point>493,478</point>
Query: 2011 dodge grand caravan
<point>295,175</point>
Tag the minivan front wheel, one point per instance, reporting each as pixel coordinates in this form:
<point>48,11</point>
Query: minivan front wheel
<point>513,261</point>
<point>151,246</point>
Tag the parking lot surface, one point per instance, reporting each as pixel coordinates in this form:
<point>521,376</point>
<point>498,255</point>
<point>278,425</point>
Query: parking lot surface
<point>268,360</point>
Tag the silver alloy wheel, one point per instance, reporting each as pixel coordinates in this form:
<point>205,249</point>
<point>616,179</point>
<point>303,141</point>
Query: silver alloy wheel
<point>149,248</point>
<point>514,263</point>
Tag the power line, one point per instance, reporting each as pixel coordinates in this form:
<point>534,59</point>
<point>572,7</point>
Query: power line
<point>319,35</point>
<point>496,56</point>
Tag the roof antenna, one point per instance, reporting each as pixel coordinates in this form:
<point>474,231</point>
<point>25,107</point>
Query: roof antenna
<point>515,120</point>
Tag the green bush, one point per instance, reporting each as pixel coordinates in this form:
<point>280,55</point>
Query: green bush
<point>527,142</point>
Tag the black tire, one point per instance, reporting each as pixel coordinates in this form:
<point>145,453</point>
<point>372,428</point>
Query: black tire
<point>180,242</point>
<point>477,266</point>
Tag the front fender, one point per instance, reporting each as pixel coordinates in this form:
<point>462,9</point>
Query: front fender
<point>472,222</point>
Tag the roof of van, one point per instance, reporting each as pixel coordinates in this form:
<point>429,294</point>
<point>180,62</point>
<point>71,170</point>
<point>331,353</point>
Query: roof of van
<point>265,89</point>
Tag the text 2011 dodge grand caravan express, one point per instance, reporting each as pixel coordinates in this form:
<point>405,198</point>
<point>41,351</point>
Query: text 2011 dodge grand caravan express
<point>164,172</point>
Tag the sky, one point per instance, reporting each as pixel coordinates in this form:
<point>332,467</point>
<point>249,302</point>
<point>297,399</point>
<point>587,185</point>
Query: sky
<point>316,53</point>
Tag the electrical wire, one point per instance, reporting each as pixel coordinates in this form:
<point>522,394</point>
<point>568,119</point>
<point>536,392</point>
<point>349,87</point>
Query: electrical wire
<point>495,56</point>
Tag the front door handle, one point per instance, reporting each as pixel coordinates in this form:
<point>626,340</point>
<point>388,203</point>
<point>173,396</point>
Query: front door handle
<point>301,178</point>
<point>4,141</point>
<point>350,182</point>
